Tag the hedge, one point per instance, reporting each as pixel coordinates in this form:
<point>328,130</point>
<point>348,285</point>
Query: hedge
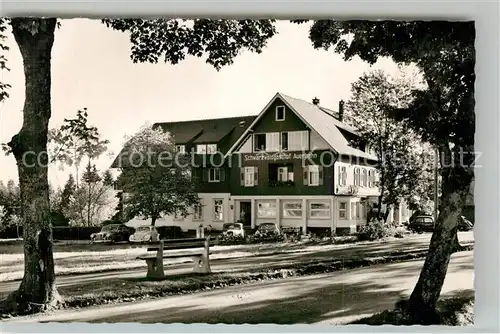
<point>58,233</point>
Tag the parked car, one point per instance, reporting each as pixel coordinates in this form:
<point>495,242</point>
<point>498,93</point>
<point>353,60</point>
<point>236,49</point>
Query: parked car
<point>464,224</point>
<point>423,223</point>
<point>169,232</point>
<point>234,229</point>
<point>267,229</point>
<point>146,233</point>
<point>112,233</point>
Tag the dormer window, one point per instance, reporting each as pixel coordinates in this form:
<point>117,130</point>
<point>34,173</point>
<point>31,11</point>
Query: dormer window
<point>206,148</point>
<point>280,113</point>
<point>180,148</point>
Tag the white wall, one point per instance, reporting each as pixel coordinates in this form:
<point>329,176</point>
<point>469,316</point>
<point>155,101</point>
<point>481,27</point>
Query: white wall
<point>188,223</point>
<point>344,190</point>
<point>317,143</point>
<point>247,146</point>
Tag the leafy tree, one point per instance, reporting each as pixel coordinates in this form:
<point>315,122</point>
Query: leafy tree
<point>395,145</point>
<point>75,140</point>
<point>219,40</point>
<point>443,114</point>
<point>158,182</point>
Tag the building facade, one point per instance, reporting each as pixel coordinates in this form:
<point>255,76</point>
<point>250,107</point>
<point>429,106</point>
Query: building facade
<point>293,164</point>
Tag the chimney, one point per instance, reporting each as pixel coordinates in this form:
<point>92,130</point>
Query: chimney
<point>315,101</point>
<point>341,110</point>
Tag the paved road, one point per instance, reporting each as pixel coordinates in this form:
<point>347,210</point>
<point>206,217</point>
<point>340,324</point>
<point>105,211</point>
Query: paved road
<point>328,298</point>
<point>256,262</point>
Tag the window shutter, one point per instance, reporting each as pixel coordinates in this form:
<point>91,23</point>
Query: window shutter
<point>205,174</point>
<point>340,175</point>
<point>242,176</point>
<point>256,176</point>
<point>320,175</point>
<point>306,175</point>
<point>222,174</point>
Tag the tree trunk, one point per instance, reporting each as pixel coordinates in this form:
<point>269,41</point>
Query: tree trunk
<point>422,303</point>
<point>37,290</point>
<point>153,220</point>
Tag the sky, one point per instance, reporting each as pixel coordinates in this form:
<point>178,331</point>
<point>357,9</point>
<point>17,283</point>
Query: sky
<point>91,68</point>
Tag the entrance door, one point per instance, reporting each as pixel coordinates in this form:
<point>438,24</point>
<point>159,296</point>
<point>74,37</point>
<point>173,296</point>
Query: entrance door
<point>246,213</point>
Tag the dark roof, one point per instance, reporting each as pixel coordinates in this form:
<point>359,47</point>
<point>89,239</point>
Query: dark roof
<point>221,131</point>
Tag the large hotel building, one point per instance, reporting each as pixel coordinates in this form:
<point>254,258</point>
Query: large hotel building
<point>293,164</point>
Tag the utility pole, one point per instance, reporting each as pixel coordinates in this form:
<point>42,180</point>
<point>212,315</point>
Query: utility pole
<point>436,164</point>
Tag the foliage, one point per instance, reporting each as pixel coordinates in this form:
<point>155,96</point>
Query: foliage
<point>173,39</point>
<point>230,239</point>
<point>4,87</point>
<point>162,183</point>
<point>399,150</point>
<point>442,114</point>
<point>75,140</point>
<point>92,202</point>
<point>107,179</point>
<point>266,237</point>
<point>378,229</point>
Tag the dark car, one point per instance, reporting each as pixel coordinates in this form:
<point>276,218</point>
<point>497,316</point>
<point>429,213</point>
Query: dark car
<point>169,232</point>
<point>112,233</point>
<point>423,223</point>
<point>267,229</point>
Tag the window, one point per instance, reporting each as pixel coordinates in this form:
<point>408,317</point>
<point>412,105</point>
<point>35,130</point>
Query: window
<point>198,212</point>
<point>282,174</point>
<point>211,148</point>
<point>272,141</point>
<point>342,175</point>
<point>249,176</point>
<point>357,176</point>
<point>371,178</point>
<point>313,175</point>
<point>206,148</point>
<point>343,210</point>
<point>201,149</point>
<point>259,141</point>
<point>353,210</point>
<point>266,209</point>
<point>218,210</point>
<point>280,113</point>
<point>292,209</point>
<point>180,148</point>
<point>214,175</point>
<point>359,210</point>
<point>298,140</point>
<point>319,210</point>
<point>284,141</point>
<point>364,178</point>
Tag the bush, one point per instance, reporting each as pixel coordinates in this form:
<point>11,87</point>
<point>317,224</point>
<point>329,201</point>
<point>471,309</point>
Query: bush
<point>266,237</point>
<point>230,239</point>
<point>376,229</point>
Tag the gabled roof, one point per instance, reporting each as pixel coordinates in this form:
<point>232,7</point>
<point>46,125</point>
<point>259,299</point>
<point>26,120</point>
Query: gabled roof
<point>319,119</point>
<point>221,131</point>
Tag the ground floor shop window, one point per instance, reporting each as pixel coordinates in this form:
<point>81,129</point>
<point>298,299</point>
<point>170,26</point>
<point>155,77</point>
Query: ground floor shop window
<point>266,209</point>
<point>292,209</point>
<point>319,210</point>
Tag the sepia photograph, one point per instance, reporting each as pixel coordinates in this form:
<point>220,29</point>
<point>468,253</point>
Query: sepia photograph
<point>237,171</point>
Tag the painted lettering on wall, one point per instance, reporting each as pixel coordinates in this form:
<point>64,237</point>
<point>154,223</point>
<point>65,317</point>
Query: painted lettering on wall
<point>278,156</point>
